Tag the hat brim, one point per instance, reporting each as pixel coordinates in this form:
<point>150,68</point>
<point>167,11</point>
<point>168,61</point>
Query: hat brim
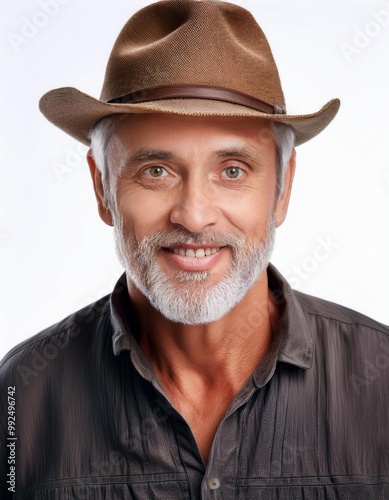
<point>76,113</point>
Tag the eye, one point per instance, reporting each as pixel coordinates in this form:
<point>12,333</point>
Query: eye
<point>156,172</point>
<point>233,172</point>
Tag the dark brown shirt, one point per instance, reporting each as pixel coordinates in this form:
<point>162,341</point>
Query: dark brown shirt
<point>93,422</point>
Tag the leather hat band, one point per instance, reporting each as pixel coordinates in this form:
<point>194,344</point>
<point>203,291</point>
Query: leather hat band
<point>198,92</point>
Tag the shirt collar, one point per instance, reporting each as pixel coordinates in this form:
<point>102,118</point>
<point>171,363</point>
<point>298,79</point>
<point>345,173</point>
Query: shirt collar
<point>126,328</point>
<point>293,340</point>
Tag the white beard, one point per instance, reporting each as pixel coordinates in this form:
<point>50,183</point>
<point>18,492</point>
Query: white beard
<point>188,297</point>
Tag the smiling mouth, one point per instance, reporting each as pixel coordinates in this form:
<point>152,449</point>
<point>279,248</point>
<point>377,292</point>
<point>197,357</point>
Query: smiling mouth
<point>197,253</point>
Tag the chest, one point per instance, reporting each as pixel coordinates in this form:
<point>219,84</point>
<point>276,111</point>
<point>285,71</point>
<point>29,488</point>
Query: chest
<point>284,441</point>
<point>203,420</point>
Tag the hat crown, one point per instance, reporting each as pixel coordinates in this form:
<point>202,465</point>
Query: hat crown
<point>193,42</point>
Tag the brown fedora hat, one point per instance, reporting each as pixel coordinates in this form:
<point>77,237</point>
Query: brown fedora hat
<point>187,57</point>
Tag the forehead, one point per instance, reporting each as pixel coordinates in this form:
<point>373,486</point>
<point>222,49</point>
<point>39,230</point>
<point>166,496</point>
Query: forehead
<point>189,135</point>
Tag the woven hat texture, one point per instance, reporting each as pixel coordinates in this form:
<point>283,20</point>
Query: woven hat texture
<point>188,57</point>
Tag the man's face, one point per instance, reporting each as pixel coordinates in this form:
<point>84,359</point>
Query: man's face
<point>194,208</point>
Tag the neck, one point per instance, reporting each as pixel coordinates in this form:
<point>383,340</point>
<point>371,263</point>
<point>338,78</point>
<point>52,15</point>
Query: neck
<point>224,352</point>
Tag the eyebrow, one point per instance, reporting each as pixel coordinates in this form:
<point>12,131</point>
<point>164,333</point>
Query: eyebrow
<point>145,154</point>
<point>240,152</point>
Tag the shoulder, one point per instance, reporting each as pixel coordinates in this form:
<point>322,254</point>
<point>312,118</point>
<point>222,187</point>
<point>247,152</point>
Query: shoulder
<point>324,318</point>
<point>349,346</point>
<point>340,317</point>
<point>58,339</point>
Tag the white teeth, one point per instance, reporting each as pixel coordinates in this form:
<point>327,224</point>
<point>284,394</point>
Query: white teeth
<point>198,253</point>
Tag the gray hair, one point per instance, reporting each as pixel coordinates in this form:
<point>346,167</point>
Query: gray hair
<point>100,135</point>
<point>284,138</point>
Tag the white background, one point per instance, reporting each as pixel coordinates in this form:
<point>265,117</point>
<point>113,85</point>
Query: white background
<point>56,254</point>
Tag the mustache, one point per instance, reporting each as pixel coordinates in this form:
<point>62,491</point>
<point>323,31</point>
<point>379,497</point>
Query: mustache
<point>163,239</point>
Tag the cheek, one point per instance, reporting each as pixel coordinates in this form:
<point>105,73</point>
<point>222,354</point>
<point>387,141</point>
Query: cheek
<point>142,211</point>
<point>250,210</point>
<point>246,209</point>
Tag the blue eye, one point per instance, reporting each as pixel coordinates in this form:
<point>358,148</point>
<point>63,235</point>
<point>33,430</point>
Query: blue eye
<point>233,172</point>
<point>156,172</point>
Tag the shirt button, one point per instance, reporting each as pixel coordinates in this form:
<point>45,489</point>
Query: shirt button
<point>214,483</point>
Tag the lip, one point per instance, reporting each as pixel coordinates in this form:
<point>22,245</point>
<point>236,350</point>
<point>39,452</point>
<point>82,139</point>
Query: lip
<point>195,246</point>
<point>184,263</point>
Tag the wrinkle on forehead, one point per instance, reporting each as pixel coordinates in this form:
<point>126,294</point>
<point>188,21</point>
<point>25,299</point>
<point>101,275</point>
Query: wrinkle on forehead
<point>119,154</point>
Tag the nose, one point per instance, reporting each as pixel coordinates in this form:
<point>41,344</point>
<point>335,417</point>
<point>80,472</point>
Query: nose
<point>195,207</point>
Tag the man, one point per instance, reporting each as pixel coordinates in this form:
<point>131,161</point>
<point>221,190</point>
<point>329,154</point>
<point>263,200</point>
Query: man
<point>203,375</point>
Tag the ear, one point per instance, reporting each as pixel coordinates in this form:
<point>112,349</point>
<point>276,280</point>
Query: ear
<point>283,199</point>
<point>102,202</point>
